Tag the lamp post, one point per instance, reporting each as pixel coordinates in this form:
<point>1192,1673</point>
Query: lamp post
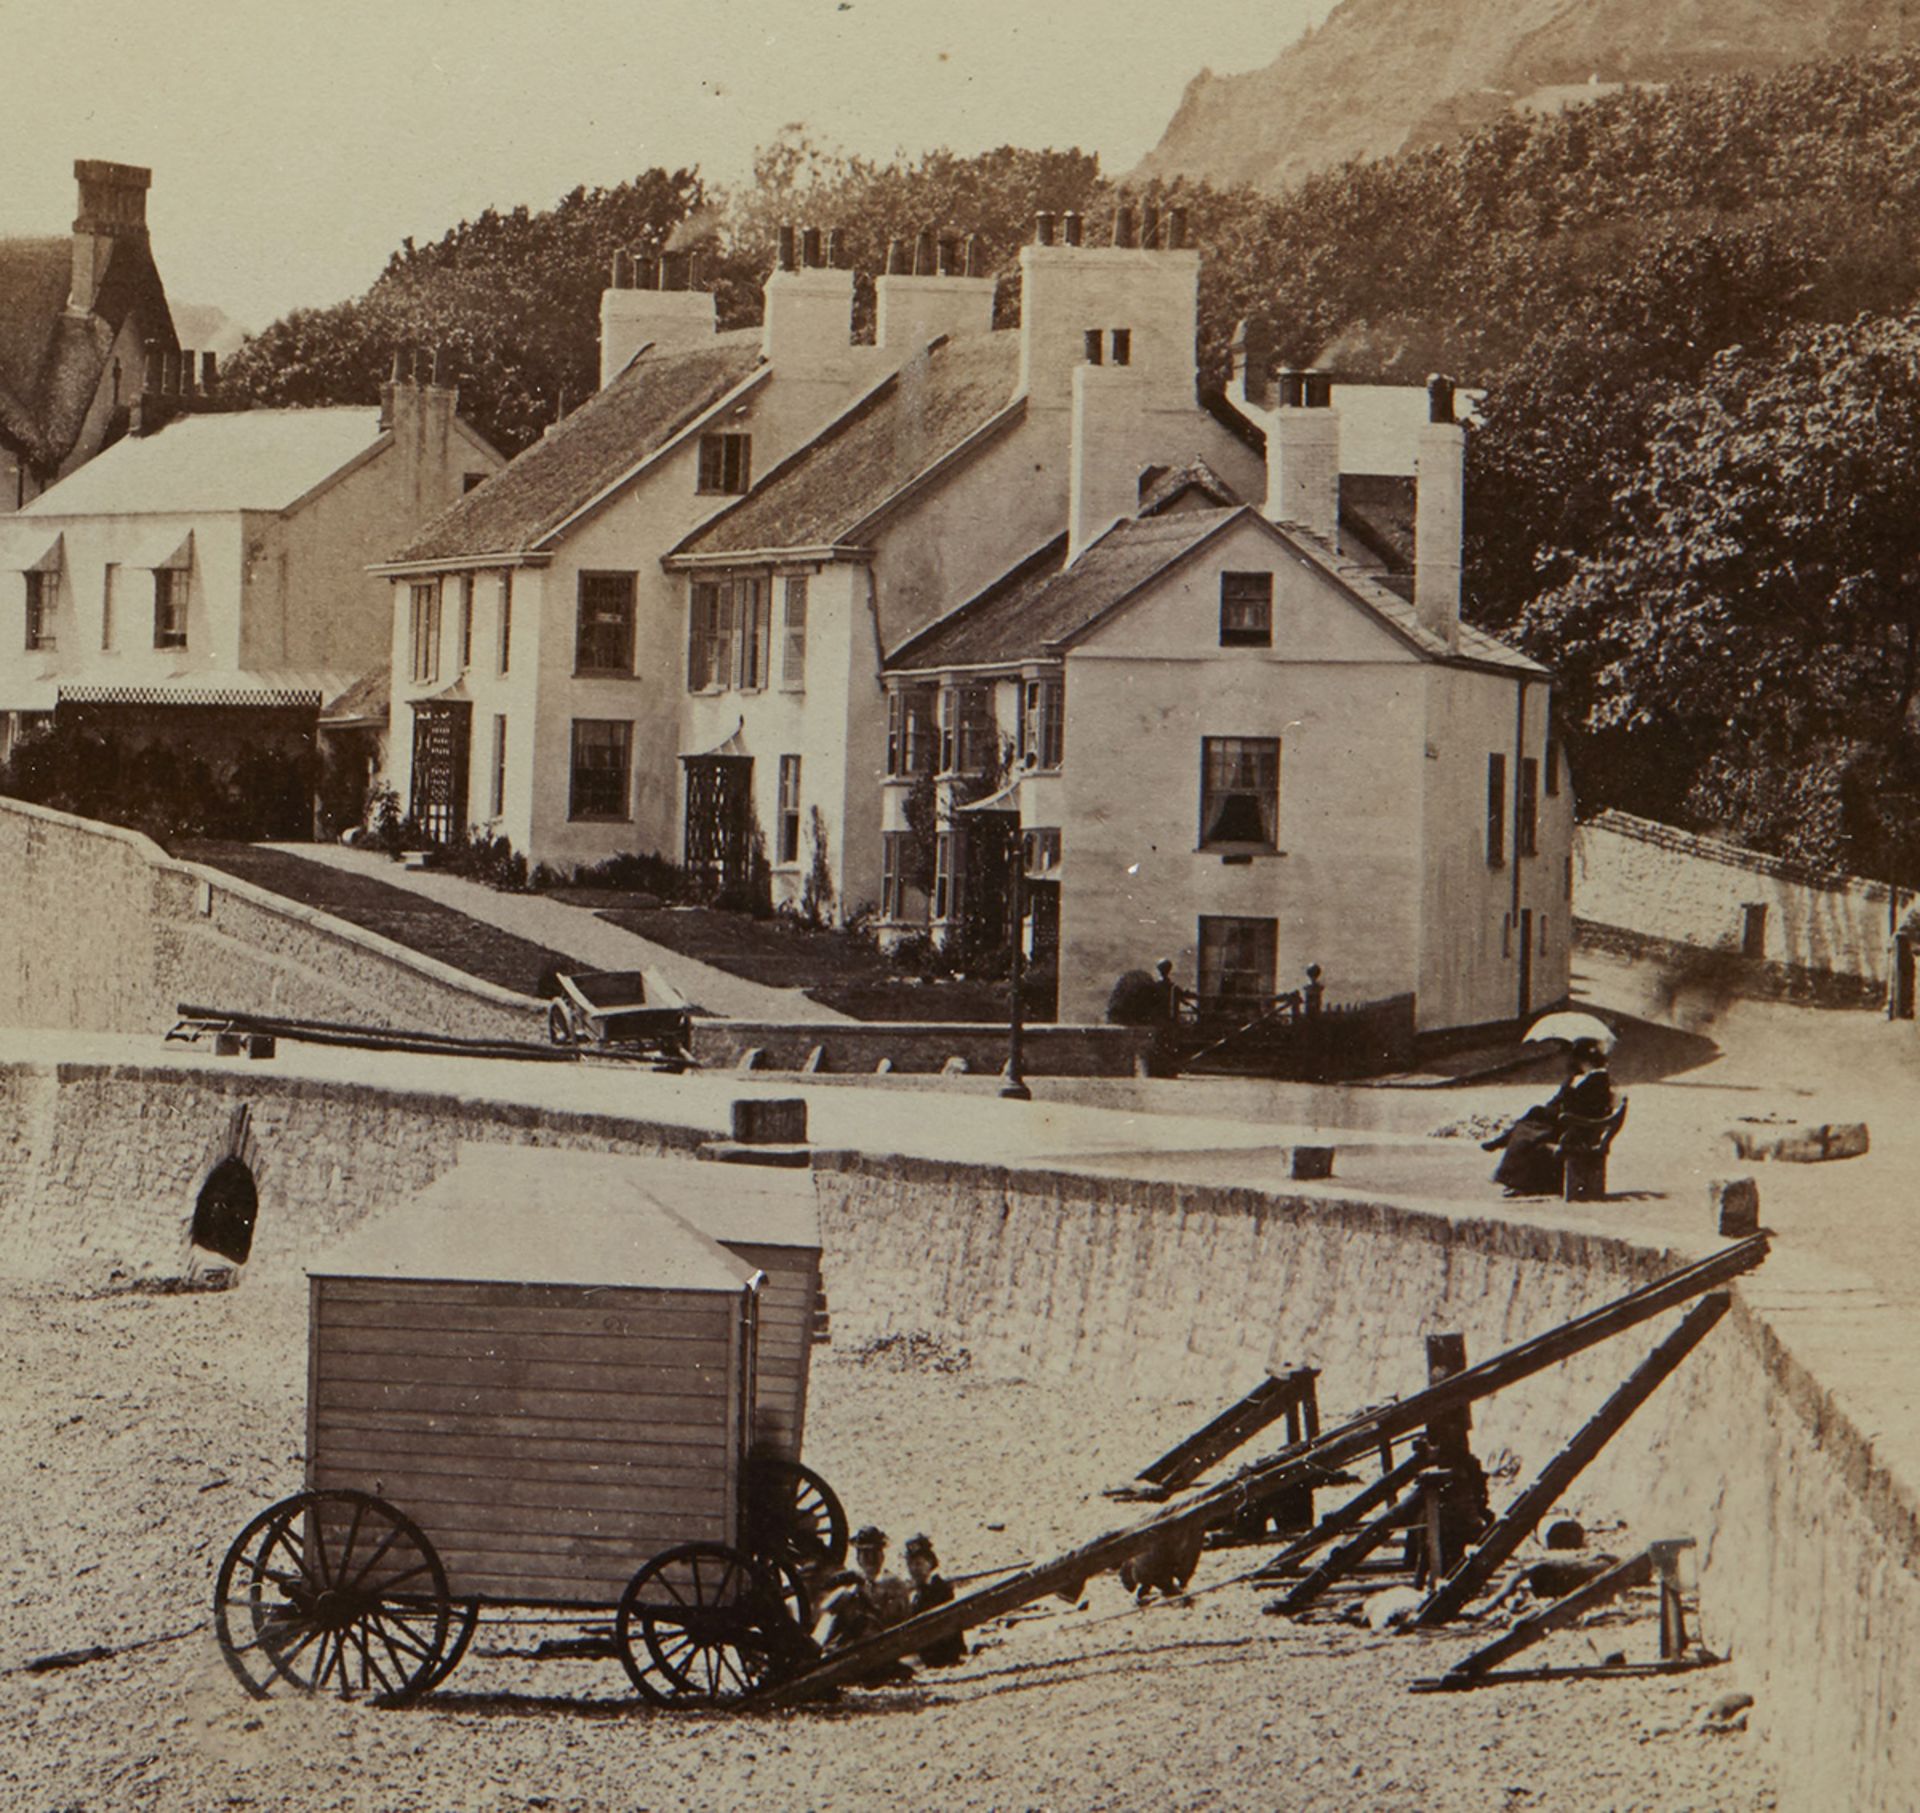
<point>1015,1087</point>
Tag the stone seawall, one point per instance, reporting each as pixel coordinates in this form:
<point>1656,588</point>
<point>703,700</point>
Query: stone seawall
<point>105,932</point>
<point>1808,1547</point>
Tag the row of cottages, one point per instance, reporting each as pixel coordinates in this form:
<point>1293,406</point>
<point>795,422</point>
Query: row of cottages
<point>774,598</point>
<point>202,584</point>
<point>79,315</point>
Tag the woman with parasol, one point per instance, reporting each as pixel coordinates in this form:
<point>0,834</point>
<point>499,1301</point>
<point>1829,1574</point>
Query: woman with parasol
<point>1530,1159</point>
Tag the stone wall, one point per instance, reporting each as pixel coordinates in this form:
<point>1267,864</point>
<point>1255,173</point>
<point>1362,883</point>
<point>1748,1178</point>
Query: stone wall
<point>1664,884</point>
<point>105,932</point>
<point>1808,1543</point>
<point>856,1047</point>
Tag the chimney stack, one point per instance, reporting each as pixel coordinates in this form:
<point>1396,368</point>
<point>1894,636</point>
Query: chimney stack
<point>937,296</point>
<point>1303,456</point>
<point>654,301</point>
<point>1109,431</point>
<point>1439,515</point>
<point>808,316</point>
<point>112,207</point>
<point>1251,353</point>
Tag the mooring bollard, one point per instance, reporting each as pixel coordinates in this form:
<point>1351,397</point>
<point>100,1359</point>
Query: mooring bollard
<point>1736,1205</point>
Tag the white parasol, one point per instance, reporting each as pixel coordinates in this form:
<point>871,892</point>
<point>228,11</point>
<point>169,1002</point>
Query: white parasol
<point>1569,1028</point>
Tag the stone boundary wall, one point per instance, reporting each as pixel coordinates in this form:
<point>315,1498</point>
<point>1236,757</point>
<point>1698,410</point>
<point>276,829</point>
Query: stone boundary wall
<point>1673,885</point>
<point>1809,1546</point>
<point>856,1046</point>
<point>107,933</point>
<point>1691,969</point>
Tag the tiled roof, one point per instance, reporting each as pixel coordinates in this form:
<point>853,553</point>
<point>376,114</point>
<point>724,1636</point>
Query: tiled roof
<point>255,459</point>
<point>907,424</point>
<point>50,361</point>
<point>1378,512</point>
<point>1043,605</point>
<point>607,436</point>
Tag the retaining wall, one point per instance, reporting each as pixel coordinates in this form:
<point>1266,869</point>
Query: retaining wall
<point>853,1047</point>
<point>105,932</point>
<point>1673,885</point>
<point>1808,1545</point>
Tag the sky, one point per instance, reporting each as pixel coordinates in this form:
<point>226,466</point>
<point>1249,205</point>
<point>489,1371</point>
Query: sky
<point>295,143</point>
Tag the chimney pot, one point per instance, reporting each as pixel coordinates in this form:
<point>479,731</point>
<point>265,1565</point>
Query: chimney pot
<point>439,367</point>
<point>1072,223</point>
<point>1150,225</point>
<point>1439,398</point>
<point>785,256</point>
<point>897,265</point>
<point>924,253</point>
<point>810,248</point>
<point>617,278</point>
<point>976,256</point>
<point>1123,225</point>
<point>1043,228</point>
<point>837,252</point>
<point>1319,389</point>
<point>154,369</point>
<point>950,255</point>
<point>169,374</point>
<point>188,365</point>
<point>1176,230</point>
<point>1293,390</point>
<point>209,372</point>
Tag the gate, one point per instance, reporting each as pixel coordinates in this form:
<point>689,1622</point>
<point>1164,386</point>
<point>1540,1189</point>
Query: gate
<point>442,735</point>
<point>719,837</point>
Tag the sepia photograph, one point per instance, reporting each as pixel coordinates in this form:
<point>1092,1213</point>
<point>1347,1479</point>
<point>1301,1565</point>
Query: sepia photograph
<point>960,907</point>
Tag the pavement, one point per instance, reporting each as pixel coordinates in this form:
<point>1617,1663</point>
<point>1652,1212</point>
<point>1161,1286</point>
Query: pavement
<point>580,933</point>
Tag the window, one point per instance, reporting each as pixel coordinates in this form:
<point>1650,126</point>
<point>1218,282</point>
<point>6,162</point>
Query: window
<point>1496,810</point>
<point>109,579</point>
<point>793,654</point>
<point>1246,610</point>
<point>789,827</point>
<point>1240,792</point>
<point>605,641</point>
<point>1526,815</point>
<point>1040,851</point>
<point>726,463</point>
<point>1122,343</point>
<point>910,731</point>
<point>754,613</point>
<point>902,894</point>
<point>424,633</point>
<point>602,756</point>
<point>727,634</point>
<point>41,591</point>
<point>506,619</point>
<point>1237,960</point>
<point>499,764</point>
<point>1042,723</point>
<point>943,903</point>
<point>969,737</point>
<point>466,621</point>
<point>169,607</point>
<point>1094,352</point>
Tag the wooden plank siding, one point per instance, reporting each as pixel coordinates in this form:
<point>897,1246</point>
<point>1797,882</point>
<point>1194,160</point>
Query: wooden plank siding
<point>787,1302</point>
<point>548,1439</point>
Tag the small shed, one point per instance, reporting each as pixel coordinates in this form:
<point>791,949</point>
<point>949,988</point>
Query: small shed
<point>765,1215</point>
<point>553,1397</point>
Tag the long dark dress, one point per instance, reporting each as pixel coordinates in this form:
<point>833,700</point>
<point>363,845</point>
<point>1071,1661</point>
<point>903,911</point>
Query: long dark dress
<point>1530,1166</point>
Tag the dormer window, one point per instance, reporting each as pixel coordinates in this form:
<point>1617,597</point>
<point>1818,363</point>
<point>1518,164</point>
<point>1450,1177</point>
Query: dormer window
<point>1246,610</point>
<point>726,464</point>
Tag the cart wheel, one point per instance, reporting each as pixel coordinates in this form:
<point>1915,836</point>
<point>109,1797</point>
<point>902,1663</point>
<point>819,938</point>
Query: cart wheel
<point>704,1624</point>
<point>333,1590</point>
<point>559,1024</point>
<point>789,1514</point>
<point>466,1616</point>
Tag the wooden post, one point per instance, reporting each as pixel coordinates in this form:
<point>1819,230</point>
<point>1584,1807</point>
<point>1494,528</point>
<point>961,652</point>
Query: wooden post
<point>1349,1555</point>
<point>1673,1622</point>
<point>1469,1579</point>
<point>1213,1505</point>
<point>1616,1580</point>
<point>1348,1514</point>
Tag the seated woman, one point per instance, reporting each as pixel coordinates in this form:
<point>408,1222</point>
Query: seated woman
<point>1530,1163</point>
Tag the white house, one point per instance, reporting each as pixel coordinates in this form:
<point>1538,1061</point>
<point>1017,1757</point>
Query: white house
<point>204,579</point>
